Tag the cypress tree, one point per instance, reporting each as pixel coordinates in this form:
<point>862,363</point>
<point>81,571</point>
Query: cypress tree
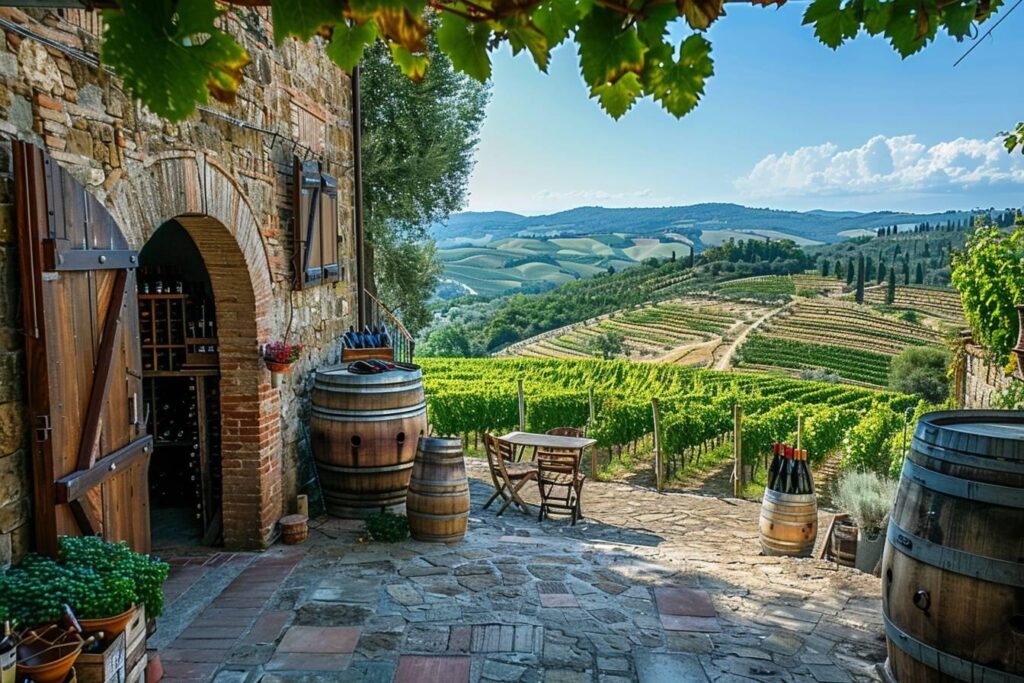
<point>691,256</point>
<point>906,271</point>
<point>824,267</point>
<point>919,275</point>
<point>860,279</point>
<point>881,271</point>
<point>890,291</point>
<point>839,269</point>
<point>849,271</point>
<point>869,268</point>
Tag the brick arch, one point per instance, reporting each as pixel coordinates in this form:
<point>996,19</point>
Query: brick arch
<point>198,193</point>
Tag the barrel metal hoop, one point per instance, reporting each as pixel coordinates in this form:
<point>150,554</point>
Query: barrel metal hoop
<point>427,515</point>
<point>341,469</point>
<point>1006,496</point>
<point>779,522</point>
<point>376,415</point>
<point>943,662</point>
<point>953,560</point>
<point>790,498</point>
<point>966,460</point>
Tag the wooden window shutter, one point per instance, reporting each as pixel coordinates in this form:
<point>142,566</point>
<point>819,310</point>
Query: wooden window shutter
<point>329,228</point>
<point>307,258</point>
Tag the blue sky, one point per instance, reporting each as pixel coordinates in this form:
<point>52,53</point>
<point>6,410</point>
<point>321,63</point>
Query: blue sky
<point>785,122</point>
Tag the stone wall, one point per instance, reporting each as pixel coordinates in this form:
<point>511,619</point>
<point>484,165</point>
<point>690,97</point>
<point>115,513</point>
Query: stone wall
<point>980,380</point>
<point>233,165</point>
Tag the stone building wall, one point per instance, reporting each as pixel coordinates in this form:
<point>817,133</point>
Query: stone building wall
<point>981,380</point>
<point>233,165</point>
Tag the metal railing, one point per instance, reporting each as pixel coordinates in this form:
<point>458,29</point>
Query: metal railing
<point>379,315</point>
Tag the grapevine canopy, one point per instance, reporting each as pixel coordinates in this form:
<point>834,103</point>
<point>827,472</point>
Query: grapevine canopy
<point>173,55</point>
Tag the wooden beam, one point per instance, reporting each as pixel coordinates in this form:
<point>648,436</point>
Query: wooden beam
<point>77,484</point>
<point>59,255</point>
<point>93,422</point>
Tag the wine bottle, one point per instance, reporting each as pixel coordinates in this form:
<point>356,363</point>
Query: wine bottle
<point>8,655</point>
<point>808,478</point>
<point>773,469</point>
<point>787,472</point>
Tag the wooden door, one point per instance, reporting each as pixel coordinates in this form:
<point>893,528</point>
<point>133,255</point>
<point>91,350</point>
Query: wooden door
<point>90,450</point>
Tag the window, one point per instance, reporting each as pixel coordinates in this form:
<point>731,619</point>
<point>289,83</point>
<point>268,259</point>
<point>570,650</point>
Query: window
<point>316,226</point>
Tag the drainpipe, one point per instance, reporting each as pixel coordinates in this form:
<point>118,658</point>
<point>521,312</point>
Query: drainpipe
<point>357,152</point>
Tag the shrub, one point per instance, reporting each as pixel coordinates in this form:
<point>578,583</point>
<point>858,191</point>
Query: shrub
<point>867,497</point>
<point>921,370</point>
<point>146,574</point>
<point>869,444</point>
<point>387,527</point>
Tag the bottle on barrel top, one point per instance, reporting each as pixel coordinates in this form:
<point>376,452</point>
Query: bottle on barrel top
<point>773,469</point>
<point>806,467</point>
<point>788,471</point>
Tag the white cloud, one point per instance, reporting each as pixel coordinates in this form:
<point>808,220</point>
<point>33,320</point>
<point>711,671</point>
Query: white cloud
<point>885,165</point>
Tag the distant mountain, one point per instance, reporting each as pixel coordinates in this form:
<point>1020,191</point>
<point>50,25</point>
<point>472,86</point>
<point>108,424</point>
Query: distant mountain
<point>819,225</point>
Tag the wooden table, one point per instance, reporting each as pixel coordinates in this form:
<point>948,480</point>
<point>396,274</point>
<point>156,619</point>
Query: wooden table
<point>524,440</point>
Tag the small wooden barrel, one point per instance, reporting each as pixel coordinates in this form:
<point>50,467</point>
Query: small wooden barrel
<point>789,523</point>
<point>294,529</point>
<point>438,502</point>
<point>953,567</point>
<point>364,430</point>
<point>844,543</point>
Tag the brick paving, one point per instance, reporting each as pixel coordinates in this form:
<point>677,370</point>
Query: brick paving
<point>650,587</point>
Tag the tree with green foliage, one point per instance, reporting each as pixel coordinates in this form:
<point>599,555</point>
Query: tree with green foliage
<point>890,289</point>
<point>919,274</point>
<point>869,269</point>
<point>418,143</point>
<point>607,345</point>
<point>906,269</point>
<point>825,263</point>
<point>839,269</point>
<point>921,370</point>
<point>176,55</point>
<point>450,341</point>
<point>860,279</point>
<point>989,275</point>
<point>881,271</point>
<point>849,271</point>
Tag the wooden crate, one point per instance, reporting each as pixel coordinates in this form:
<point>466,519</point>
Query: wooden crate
<point>381,353</point>
<point>137,673</point>
<point>103,667</point>
<point>135,639</point>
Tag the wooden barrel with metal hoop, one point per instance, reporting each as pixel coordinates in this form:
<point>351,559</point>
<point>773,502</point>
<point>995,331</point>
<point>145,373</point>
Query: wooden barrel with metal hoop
<point>953,567</point>
<point>364,430</point>
<point>789,523</point>
<point>844,542</point>
<point>438,502</point>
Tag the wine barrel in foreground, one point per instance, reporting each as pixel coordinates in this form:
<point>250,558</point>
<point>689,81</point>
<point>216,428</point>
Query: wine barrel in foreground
<point>953,568</point>
<point>789,523</point>
<point>364,432</point>
<point>438,502</point>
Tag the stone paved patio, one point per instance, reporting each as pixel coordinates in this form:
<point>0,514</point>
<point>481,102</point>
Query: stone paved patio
<point>649,587</point>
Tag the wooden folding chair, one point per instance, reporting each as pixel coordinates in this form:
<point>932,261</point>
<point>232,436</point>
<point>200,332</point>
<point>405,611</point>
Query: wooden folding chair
<point>560,482</point>
<point>508,475</point>
<point>576,434</point>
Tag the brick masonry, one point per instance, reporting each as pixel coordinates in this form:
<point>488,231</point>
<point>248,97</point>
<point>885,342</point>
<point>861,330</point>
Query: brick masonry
<point>230,187</point>
<point>979,380</point>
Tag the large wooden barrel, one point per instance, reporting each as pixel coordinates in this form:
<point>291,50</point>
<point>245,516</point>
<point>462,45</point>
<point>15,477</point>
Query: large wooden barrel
<point>364,431</point>
<point>438,502</point>
<point>953,568</point>
<point>789,523</point>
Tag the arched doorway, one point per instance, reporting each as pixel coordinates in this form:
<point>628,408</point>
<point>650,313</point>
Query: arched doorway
<point>197,194</point>
<point>181,388</point>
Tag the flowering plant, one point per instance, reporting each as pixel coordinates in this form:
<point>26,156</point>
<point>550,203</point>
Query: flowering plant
<point>280,352</point>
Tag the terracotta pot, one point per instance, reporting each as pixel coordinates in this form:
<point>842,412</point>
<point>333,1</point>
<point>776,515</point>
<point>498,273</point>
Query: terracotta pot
<point>274,366</point>
<point>112,627</point>
<point>154,667</point>
<point>47,655</point>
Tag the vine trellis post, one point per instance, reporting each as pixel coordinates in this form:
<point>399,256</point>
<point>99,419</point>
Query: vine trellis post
<point>737,450</point>
<point>590,426</point>
<point>522,406</point>
<point>658,474</point>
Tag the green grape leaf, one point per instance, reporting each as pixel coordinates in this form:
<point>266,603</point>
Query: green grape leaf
<point>465,43</point>
<point>678,84</point>
<point>348,43</point>
<point>617,98</point>
<point>700,13</point>
<point>607,51</point>
<point>958,18</point>
<point>413,66</point>
<point>654,25</point>
<point>833,24</point>
<point>910,27</point>
<point>555,19</point>
<point>876,16</point>
<point>401,25</point>
<point>173,57</point>
<point>525,36</point>
<point>304,18</point>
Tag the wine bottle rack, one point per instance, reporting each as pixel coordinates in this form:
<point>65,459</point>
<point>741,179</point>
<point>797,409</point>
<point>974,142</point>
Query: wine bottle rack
<point>176,335</point>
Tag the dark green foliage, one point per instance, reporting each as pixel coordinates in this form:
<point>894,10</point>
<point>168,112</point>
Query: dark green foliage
<point>418,143</point>
<point>849,271</point>
<point>839,269</point>
<point>387,527</point>
<point>607,345</point>
<point>919,274</point>
<point>754,250</point>
<point>824,267</point>
<point>890,290</point>
<point>921,370</point>
<point>860,279</point>
<point>146,573</point>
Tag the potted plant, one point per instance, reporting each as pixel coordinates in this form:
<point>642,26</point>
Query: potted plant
<point>279,357</point>
<point>867,498</point>
<point>111,580</point>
